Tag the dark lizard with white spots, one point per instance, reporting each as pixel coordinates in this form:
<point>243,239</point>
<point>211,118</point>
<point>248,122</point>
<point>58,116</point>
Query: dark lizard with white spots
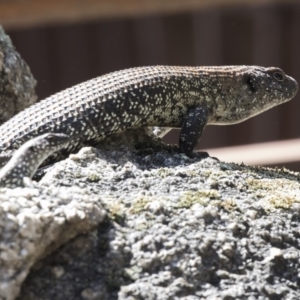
<point>29,156</point>
<point>186,97</point>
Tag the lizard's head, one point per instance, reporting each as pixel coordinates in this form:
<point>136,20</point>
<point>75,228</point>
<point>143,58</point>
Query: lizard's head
<point>270,86</point>
<point>258,89</point>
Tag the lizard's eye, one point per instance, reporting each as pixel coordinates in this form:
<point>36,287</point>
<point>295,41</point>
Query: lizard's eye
<point>278,76</point>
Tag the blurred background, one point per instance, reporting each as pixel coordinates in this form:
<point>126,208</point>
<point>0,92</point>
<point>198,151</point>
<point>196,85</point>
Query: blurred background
<point>66,42</point>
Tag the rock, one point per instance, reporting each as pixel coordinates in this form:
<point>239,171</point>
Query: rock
<point>34,221</point>
<point>176,228</point>
<point>16,82</point>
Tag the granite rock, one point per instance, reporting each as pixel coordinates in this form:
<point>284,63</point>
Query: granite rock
<point>16,81</point>
<point>176,228</point>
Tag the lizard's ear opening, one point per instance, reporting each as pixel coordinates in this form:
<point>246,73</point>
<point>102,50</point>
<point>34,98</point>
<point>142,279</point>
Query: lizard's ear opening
<point>250,82</point>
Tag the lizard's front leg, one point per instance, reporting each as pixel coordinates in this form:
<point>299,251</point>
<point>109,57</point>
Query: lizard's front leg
<point>191,130</point>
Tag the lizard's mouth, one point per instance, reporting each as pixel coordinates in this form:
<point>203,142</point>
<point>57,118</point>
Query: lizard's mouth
<point>280,95</point>
<point>275,89</point>
<point>290,93</point>
<point>282,91</point>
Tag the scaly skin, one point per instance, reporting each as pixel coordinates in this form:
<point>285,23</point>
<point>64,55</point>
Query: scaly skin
<point>186,97</point>
<point>29,156</point>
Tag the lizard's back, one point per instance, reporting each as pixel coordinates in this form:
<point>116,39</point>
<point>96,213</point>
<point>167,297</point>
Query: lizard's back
<point>108,104</point>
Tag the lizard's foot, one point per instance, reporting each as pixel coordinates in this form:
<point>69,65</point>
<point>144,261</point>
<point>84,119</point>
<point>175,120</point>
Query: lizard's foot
<point>199,155</point>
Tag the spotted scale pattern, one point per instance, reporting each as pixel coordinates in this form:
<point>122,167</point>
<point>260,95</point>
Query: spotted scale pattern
<point>152,96</point>
<point>28,158</point>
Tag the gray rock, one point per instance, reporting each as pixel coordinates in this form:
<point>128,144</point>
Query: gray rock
<point>16,82</point>
<point>176,228</point>
<point>34,221</point>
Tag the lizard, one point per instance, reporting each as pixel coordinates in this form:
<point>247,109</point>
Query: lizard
<point>29,156</point>
<point>164,96</point>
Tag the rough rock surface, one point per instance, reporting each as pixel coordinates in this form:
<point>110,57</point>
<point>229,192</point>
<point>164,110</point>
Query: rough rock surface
<point>176,228</point>
<point>33,221</point>
<point>16,82</point>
